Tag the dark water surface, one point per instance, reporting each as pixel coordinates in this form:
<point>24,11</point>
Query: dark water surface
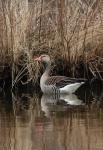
<point>30,121</point>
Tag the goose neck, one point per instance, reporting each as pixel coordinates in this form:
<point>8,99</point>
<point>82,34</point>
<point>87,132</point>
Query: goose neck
<point>47,67</point>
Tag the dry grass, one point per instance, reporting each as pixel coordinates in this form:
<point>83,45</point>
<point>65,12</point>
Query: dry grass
<point>70,36</point>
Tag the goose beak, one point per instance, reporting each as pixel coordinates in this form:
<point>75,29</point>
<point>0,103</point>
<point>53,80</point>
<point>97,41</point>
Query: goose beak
<point>38,59</point>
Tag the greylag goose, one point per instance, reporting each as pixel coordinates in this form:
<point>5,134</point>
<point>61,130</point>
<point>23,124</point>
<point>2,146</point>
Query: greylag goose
<point>56,84</point>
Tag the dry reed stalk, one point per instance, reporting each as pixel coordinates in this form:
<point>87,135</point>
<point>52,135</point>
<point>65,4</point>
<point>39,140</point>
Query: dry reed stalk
<point>52,27</point>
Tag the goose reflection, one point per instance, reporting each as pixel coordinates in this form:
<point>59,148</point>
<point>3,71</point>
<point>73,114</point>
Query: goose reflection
<point>54,103</point>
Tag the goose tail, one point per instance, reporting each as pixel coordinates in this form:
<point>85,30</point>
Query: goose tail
<point>71,88</point>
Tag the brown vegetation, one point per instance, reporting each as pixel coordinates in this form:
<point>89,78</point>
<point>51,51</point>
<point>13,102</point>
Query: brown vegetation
<point>71,32</point>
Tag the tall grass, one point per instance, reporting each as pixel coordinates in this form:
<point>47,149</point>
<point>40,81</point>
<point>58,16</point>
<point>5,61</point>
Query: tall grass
<point>70,31</point>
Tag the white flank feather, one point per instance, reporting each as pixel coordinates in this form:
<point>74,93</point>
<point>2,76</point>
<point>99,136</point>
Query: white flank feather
<point>71,88</point>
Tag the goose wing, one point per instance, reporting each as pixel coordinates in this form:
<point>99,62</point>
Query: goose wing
<point>61,81</point>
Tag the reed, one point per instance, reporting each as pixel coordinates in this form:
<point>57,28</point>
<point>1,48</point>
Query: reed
<point>70,32</point>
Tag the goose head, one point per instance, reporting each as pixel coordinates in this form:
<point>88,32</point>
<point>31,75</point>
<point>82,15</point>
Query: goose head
<point>43,58</point>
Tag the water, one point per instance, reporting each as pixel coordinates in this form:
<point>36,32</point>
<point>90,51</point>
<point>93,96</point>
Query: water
<point>31,121</point>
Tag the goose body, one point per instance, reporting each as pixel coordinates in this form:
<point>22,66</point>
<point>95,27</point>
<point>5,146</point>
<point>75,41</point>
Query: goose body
<point>57,84</point>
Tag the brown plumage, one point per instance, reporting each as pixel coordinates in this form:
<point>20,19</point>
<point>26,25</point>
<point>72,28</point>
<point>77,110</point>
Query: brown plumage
<point>61,81</point>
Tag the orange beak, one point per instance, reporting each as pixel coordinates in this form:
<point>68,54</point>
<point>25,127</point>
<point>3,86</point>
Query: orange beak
<point>38,59</point>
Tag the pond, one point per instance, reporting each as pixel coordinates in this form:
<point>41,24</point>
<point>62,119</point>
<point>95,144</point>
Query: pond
<point>32,121</point>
